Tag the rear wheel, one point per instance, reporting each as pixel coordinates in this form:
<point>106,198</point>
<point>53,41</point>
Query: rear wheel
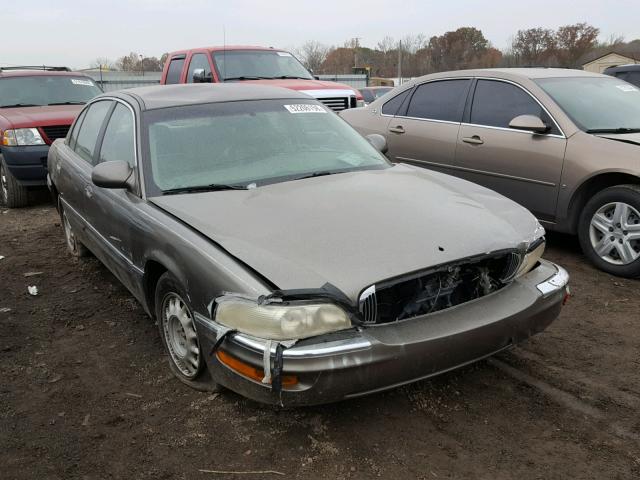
<point>179,334</point>
<point>609,230</point>
<point>75,247</point>
<point>12,194</point>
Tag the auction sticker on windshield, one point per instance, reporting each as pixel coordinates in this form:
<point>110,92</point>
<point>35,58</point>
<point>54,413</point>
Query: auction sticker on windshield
<point>77,81</point>
<point>305,108</point>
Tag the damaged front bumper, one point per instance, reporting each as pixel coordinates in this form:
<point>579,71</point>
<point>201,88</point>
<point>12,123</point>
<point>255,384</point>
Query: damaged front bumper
<point>373,358</point>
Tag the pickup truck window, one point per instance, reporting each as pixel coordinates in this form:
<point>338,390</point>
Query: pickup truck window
<point>199,60</point>
<point>175,69</point>
<point>90,128</point>
<point>258,64</point>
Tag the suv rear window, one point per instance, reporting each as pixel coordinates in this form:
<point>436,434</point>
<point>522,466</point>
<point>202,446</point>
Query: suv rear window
<point>175,69</point>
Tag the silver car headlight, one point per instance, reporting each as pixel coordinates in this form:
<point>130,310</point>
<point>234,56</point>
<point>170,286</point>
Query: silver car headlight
<point>535,249</point>
<point>276,321</point>
<point>22,137</point>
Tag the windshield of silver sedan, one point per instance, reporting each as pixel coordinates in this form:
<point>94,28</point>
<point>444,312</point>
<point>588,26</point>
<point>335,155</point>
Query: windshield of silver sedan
<point>596,104</point>
<point>247,144</point>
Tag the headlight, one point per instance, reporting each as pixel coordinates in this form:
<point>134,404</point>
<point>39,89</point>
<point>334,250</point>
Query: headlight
<point>279,321</point>
<point>533,255</point>
<point>22,137</point>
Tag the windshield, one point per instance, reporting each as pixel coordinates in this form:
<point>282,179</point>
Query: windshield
<point>256,64</point>
<point>250,142</point>
<point>596,103</point>
<point>41,90</point>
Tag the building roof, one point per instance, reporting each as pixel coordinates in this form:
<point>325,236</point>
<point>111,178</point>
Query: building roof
<point>632,55</point>
<point>162,96</point>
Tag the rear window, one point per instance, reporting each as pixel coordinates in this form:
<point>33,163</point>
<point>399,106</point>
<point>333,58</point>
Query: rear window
<point>393,106</point>
<point>175,69</point>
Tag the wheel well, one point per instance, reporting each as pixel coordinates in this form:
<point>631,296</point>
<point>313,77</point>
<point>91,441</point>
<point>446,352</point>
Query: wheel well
<point>152,272</point>
<point>592,186</point>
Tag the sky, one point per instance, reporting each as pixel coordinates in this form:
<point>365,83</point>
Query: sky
<point>74,33</point>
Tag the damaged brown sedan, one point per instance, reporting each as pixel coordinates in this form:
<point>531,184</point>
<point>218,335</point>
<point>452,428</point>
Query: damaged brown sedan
<point>283,256</point>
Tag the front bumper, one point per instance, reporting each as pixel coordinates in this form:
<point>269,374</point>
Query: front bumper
<point>369,359</point>
<point>28,164</point>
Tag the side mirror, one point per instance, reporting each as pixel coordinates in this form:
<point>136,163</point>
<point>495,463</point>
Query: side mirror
<point>115,174</point>
<point>199,76</point>
<point>378,142</point>
<point>530,123</point>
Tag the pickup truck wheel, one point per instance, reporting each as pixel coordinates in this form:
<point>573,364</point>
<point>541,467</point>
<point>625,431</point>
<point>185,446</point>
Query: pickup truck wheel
<point>609,230</point>
<point>12,194</point>
<point>75,247</point>
<point>179,335</point>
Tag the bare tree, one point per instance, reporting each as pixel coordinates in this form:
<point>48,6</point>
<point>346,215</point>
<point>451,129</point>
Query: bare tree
<point>313,54</point>
<point>534,46</point>
<point>104,63</point>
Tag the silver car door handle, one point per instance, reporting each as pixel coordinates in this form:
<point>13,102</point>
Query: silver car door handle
<point>398,129</point>
<point>475,140</point>
<point>88,191</point>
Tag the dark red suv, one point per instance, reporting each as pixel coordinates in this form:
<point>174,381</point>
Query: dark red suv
<point>37,106</point>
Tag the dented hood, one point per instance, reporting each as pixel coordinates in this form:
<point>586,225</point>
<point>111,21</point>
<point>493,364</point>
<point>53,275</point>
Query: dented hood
<point>354,229</point>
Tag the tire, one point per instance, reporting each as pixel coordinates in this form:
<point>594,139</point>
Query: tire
<point>609,230</point>
<point>179,335</point>
<point>75,246</point>
<point>12,194</point>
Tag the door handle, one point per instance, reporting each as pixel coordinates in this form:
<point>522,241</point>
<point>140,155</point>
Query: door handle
<point>88,191</point>
<point>475,140</point>
<point>397,129</point>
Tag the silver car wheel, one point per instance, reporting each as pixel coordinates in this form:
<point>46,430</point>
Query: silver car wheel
<point>180,335</point>
<point>615,233</point>
<point>3,184</point>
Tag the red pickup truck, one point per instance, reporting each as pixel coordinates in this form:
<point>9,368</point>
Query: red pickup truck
<point>37,106</point>
<point>261,65</point>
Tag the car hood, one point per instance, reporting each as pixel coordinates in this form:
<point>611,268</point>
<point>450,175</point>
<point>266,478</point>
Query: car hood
<point>23,117</point>
<point>633,138</point>
<point>354,229</point>
<point>304,85</point>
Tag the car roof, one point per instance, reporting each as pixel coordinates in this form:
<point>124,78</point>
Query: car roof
<point>225,47</point>
<point>162,96</point>
<point>38,73</point>
<point>517,73</point>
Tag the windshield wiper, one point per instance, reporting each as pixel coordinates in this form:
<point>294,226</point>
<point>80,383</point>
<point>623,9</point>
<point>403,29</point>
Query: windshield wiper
<point>614,130</point>
<point>247,77</point>
<point>318,174</point>
<point>292,77</point>
<point>15,105</point>
<point>213,187</point>
<point>67,103</point>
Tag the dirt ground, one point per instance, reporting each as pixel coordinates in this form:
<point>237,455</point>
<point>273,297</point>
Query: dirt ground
<point>86,392</point>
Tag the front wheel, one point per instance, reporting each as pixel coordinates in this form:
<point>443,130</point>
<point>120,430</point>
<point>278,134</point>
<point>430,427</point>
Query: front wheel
<point>12,194</point>
<point>75,246</point>
<point>609,230</point>
<point>179,334</point>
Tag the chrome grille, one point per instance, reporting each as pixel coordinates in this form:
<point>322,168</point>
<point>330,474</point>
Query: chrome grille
<point>369,305</point>
<point>336,103</point>
<point>53,132</point>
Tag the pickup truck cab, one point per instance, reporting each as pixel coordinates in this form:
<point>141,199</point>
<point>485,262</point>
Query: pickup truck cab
<point>36,108</point>
<point>258,65</point>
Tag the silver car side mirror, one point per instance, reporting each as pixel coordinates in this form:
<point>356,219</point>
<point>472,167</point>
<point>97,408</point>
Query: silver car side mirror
<point>378,142</point>
<point>530,123</point>
<point>116,174</point>
<point>199,76</point>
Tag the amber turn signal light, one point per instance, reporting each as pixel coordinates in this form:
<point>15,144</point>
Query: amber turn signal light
<point>250,371</point>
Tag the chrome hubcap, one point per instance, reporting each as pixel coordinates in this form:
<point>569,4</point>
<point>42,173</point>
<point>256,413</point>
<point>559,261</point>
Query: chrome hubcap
<point>615,233</point>
<point>180,335</point>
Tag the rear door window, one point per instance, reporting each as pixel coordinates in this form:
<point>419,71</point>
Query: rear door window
<point>496,103</point>
<point>392,107</point>
<point>175,69</point>
<point>440,100</point>
<point>90,129</point>
<point>199,61</point>
<point>118,142</point>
